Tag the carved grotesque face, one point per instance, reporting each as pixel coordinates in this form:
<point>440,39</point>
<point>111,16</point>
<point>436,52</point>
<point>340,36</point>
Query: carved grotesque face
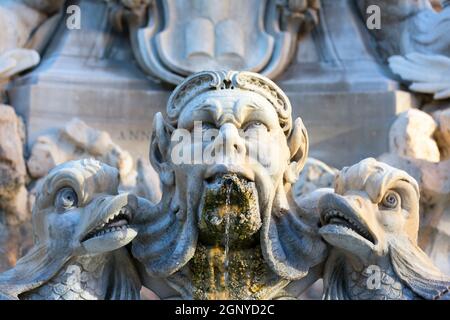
<point>230,147</point>
<point>240,134</point>
<point>226,153</point>
<point>79,211</point>
<point>374,206</point>
<point>241,137</point>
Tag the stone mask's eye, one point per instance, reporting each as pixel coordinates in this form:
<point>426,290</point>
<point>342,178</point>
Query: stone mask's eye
<point>254,125</point>
<point>391,200</point>
<point>66,198</point>
<point>208,126</point>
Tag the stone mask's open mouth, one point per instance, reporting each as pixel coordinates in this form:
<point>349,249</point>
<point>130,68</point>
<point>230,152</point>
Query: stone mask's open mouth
<point>116,222</point>
<point>229,212</point>
<point>218,171</point>
<point>226,179</point>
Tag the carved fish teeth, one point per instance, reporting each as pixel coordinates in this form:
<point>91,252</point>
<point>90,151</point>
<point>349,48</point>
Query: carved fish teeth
<point>352,225</point>
<point>115,222</point>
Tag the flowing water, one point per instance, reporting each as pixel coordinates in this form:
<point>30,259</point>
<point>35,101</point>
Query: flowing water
<point>227,232</point>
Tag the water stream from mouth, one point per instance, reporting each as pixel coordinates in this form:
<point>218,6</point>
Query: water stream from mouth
<point>227,232</point>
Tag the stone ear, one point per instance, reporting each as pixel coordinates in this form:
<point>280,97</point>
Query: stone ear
<point>298,144</point>
<point>160,148</point>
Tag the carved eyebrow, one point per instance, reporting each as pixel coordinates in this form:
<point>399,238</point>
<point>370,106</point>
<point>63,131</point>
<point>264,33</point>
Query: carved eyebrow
<point>242,107</point>
<point>211,106</point>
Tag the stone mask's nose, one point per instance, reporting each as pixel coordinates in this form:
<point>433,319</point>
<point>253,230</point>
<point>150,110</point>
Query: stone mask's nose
<point>229,143</point>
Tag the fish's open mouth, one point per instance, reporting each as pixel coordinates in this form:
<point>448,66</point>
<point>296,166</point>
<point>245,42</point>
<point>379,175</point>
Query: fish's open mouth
<point>118,221</point>
<point>338,218</point>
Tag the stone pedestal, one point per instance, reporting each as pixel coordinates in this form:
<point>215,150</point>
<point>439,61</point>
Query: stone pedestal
<point>344,96</point>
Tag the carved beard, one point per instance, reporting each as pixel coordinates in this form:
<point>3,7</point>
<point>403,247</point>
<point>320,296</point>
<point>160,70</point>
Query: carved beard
<point>167,241</point>
<point>168,235</point>
<point>290,240</point>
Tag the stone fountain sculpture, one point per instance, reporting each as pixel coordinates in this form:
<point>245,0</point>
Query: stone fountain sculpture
<point>81,228</point>
<point>372,223</point>
<point>228,228</point>
<point>227,225</point>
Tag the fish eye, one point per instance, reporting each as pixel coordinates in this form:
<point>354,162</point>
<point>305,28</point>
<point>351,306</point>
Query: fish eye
<point>391,200</point>
<point>66,199</point>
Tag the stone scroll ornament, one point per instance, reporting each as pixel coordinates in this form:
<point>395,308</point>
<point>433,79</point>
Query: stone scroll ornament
<point>228,229</point>
<point>372,222</point>
<point>176,38</point>
<point>81,227</point>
